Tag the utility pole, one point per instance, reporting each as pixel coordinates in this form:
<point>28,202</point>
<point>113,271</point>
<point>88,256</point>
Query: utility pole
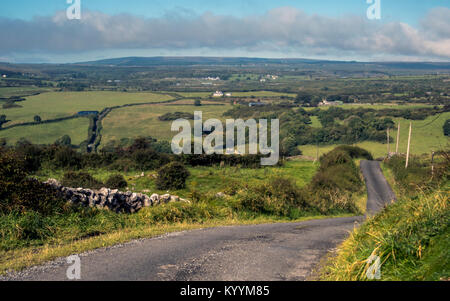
<point>317,153</point>
<point>388,143</point>
<point>432,163</point>
<point>409,144</point>
<point>398,138</point>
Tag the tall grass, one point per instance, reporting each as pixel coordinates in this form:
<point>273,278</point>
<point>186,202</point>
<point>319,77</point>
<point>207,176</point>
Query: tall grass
<point>411,237</point>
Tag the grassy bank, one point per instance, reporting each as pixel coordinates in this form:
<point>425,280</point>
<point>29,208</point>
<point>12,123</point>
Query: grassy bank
<point>411,236</point>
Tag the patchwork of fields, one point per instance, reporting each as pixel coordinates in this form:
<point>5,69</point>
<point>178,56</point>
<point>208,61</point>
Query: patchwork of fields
<point>142,120</point>
<point>62,104</point>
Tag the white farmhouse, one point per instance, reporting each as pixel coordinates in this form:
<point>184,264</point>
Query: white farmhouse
<point>218,94</point>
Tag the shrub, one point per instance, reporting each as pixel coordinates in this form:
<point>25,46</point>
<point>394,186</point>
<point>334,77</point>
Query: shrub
<point>64,140</point>
<point>65,157</point>
<point>172,176</point>
<point>447,127</point>
<point>147,159</point>
<point>20,194</point>
<point>279,196</point>
<point>80,179</point>
<point>116,182</point>
<point>176,115</point>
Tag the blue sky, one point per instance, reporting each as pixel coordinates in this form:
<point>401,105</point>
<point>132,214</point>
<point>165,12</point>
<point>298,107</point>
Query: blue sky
<point>411,12</point>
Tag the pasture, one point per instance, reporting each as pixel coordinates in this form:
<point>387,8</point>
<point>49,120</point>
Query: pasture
<point>48,133</point>
<point>62,104</point>
<point>143,120</point>
<point>210,180</point>
<point>427,135</point>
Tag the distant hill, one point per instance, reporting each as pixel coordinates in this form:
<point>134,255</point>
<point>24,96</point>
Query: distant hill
<point>184,61</point>
<point>164,61</point>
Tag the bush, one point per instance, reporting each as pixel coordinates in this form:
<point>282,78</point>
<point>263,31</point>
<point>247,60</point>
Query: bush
<point>80,180</point>
<point>172,176</point>
<point>64,140</point>
<point>20,194</point>
<point>65,157</point>
<point>116,182</point>
<point>175,116</point>
<point>447,127</point>
<point>279,196</point>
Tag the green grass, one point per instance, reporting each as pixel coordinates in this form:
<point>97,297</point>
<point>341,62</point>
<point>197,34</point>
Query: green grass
<point>30,239</point>
<point>76,128</point>
<point>427,135</point>
<point>411,237</point>
<point>206,179</point>
<point>143,121</point>
<point>62,104</point>
<point>19,91</point>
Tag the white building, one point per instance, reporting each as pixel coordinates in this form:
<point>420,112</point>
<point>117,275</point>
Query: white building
<point>228,94</point>
<point>218,94</point>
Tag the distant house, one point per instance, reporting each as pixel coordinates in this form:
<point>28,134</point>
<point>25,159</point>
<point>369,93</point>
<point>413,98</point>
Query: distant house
<point>257,104</point>
<point>330,103</point>
<point>218,94</point>
<point>4,75</point>
<point>87,113</point>
<point>228,94</point>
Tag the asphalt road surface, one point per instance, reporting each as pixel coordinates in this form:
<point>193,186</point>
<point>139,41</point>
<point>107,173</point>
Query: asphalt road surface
<point>379,193</point>
<point>286,251</point>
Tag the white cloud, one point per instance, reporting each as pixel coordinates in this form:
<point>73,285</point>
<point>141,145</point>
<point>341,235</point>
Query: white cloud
<point>282,30</point>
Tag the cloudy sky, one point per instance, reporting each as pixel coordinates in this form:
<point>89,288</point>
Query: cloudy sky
<point>409,30</point>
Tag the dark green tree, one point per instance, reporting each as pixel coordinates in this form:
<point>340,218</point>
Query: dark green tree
<point>447,128</point>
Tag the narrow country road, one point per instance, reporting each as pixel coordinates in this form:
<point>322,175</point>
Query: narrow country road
<point>379,193</point>
<point>286,251</point>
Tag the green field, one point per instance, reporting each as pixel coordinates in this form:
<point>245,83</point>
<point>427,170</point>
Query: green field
<point>76,128</point>
<point>18,91</point>
<point>208,179</point>
<point>61,104</point>
<point>427,135</point>
<point>143,120</point>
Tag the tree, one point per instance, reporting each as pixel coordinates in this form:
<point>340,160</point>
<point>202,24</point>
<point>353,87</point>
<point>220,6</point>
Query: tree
<point>447,128</point>
<point>64,140</point>
<point>197,103</point>
<point>37,119</point>
<point>3,120</point>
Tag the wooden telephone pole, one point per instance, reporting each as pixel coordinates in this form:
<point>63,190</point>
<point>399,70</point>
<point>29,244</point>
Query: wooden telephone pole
<point>388,143</point>
<point>398,138</point>
<point>409,144</point>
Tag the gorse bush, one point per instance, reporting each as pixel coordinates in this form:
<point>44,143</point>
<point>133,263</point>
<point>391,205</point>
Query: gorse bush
<point>279,196</point>
<point>21,194</point>
<point>80,180</point>
<point>172,176</point>
<point>338,178</point>
<point>116,182</point>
